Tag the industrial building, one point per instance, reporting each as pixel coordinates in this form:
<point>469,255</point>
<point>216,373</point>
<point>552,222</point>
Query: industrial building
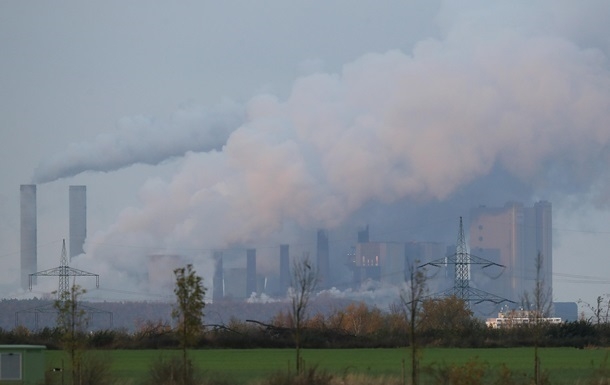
<point>235,283</point>
<point>379,261</point>
<point>388,262</point>
<point>513,236</point>
<point>515,318</point>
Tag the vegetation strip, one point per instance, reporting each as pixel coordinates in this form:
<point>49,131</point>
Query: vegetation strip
<point>564,365</point>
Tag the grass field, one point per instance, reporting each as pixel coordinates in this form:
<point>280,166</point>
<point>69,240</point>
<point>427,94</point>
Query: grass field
<point>564,365</point>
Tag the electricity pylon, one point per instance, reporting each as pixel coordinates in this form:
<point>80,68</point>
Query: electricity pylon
<point>64,272</point>
<point>462,261</point>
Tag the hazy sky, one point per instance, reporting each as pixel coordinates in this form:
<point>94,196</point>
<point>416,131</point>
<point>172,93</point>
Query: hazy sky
<point>200,125</point>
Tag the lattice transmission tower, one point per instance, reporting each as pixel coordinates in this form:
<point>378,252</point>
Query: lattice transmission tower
<point>462,261</point>
<point>64,272</point>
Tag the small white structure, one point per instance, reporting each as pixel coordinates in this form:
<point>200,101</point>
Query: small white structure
<point>518,317</point>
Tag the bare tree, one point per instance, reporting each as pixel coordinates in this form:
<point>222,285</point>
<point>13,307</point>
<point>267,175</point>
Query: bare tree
<point>304,281</point>
<point>538,305</point>
<point>412,300</point>
<point>601,309</point>
<point>188,311</point>
<point>72,321</point>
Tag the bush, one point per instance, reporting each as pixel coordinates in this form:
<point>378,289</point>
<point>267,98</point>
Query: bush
<point>310,376</point>
<point>96,370</point>
<point>170,371</point>
<point>363,379</point>
<point>470,373</point>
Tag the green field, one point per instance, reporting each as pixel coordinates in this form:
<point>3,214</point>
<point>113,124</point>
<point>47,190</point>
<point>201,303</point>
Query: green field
<point>564,365</point>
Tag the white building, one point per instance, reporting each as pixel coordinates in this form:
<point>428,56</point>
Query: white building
<point>518,317</point>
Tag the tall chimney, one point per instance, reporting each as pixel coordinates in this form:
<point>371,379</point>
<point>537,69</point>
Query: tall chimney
<point>218,282</point>
<point>78,219</point>
<point>28,234</point>
<point>323,259</point>
<point>284,269</point>
<point>250,272</point>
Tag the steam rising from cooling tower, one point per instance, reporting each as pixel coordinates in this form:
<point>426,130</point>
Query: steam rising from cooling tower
<point>530,102</point>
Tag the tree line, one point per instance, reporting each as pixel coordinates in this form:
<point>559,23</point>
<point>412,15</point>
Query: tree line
<point>448,323</point>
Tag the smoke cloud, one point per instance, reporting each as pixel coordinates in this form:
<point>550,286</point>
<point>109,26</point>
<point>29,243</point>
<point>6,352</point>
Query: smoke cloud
<point>529,103</point>
<point>140,139</point>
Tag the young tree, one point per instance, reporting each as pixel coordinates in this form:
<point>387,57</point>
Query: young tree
<point>357,319</point>
<point>304,281</point>
<point>72,321</point>
<point>450,314</point>
<point>538,304</point>
<point>601,309</point>
<point>412,299</point>
<point>188,311</point>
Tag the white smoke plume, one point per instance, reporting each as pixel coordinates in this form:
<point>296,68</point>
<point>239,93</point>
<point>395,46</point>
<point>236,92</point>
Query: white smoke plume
<point>145,140</point>
<point>420,125</point>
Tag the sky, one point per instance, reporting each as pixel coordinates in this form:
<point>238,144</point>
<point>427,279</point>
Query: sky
<point>201,125</point>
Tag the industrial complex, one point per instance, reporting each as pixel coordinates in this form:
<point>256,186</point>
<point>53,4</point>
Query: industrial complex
<point>507,239</point>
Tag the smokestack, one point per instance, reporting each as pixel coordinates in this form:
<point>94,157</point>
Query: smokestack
<point>218,283</point>
<point>323,262</point>
<point>250,271</point>
<point>28,234</point>
<point>284,269</point>
<point>78,219</point>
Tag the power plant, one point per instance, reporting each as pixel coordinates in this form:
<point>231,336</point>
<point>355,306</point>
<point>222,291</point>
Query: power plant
<point>505,242</point>
<point>511,236</point>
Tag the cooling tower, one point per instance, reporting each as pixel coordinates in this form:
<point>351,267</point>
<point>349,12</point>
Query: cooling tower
<point>28,234</point>
<point>78,219</point>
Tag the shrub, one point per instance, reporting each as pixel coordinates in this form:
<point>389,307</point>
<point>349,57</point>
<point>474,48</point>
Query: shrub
<point>169,371</point>
<point>363,379</point>
<point>93,369</point>
<point>96,370</point>
<point>470,373</point>
<point>309,376</point>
